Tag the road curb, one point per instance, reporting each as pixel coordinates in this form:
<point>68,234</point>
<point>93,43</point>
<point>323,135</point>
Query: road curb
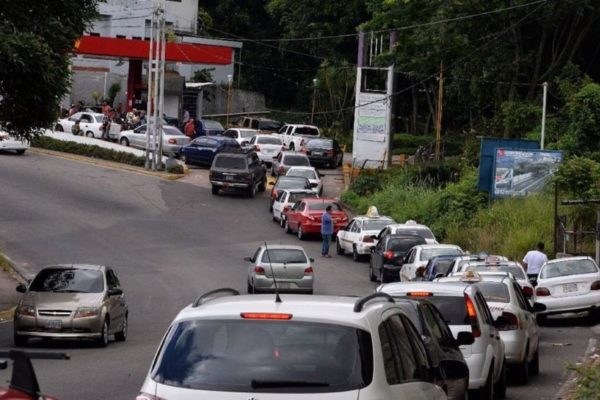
<point>571,380</point>
<point>19,275</point>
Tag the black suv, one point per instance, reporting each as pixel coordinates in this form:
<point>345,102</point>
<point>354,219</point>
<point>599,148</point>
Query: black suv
<point>238,169</point>
<point>388,255</point>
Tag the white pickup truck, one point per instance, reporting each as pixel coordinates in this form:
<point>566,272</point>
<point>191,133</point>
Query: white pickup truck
<point>295,136</point>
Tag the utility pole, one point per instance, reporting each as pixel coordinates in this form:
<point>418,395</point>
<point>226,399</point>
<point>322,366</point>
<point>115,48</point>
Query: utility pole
<point>314,99</point>
<point>148,162</point>
<point>229,82</point>
<point>545,85</point>
<point>439,113</point>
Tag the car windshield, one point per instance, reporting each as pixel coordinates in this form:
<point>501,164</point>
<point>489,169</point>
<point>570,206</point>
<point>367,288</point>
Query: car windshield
<point>292,182</point>
<point>269,140</point>
<point>296,160</point>
<point>516,271</point>
<point>288,256</point>
<point>319,144</point>
<point>268,125</point>
<point>322,205</point>
<point>427,254</point>
<point>568,267</point>
<point>68,280</point>
<point>307,131</point>
<point>265,356</point>
<point>209,124</point>
<point>403,245</point>
<point>424,233</point>
<point>376,224</point>
<point>230,162</point>
<point>494,292</point>
<point>307,173</point>
<point>294,197</point>
<point>247,134</point>
<point>452,308</point>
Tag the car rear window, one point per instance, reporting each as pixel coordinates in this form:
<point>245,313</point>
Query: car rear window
<point>247,134</point>
<point>294,197</point>
<point>319,144</point>
<point>494,291</point>
<point>376,224</point>
<point>322,205</point>
<point>288,256</point>
<point>265,356</point>
<point>292,182</point>
<point>208,124</point>
<point>452,308</point>
<point>269,140</point>
<point>424,233</point>
<point>307,130</point>
<point>403,245</point>
<point>230,162</point>
<point>306,173</point>
<point>568,267</point>
<point>428,254</point>
<point>517,272</point>
<point>296,160</point>
<point>171,131</point>
<point>68,281</point>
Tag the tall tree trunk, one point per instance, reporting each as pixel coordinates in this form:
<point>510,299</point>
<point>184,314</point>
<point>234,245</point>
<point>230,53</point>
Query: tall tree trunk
<point>415,113</point>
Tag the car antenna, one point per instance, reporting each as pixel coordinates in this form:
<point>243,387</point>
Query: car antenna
<point>277,298</point>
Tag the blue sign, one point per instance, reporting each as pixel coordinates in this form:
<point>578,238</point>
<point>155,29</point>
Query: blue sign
<point>487,153</point>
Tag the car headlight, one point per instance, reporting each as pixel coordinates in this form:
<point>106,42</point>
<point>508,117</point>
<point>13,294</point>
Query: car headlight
<point>86,312</point>
<point>26,310</point>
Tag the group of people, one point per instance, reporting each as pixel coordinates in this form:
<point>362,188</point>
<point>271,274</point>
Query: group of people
<point>129,120</point>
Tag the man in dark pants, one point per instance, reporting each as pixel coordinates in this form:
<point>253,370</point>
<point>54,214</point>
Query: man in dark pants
<point>534,260</point>
<point>326,231</point>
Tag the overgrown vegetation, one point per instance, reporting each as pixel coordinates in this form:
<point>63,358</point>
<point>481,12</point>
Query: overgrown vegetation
<point>87,150</point>
<point>587,384</point>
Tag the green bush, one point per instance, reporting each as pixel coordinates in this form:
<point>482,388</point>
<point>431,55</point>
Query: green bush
<point>87,150</point>
<point>588,380</point>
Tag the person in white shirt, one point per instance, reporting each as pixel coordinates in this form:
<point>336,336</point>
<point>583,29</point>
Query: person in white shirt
<point>534,260</point>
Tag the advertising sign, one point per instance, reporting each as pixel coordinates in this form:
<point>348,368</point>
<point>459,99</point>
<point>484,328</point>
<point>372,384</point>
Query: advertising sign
<point>519,173</point>
<point>371,116</point>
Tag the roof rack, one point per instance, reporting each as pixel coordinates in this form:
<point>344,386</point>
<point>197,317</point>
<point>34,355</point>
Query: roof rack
<point>360,303</point>
<point>209,295</point>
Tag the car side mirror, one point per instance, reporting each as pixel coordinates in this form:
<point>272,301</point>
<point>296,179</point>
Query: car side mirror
<point>249,259</point>
<point>115,292</point>
<point>501,322</point>
<point>538,307</point>
<point>454,369</point>
<point>21,288</point>
<point>464,338</point>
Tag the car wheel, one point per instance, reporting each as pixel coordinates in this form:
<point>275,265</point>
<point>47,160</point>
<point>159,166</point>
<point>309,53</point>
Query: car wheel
<point>102,341</point>
<point>250,288</point>
<point>122,335</point>
<point>252,190</point>
<point>372,276</point>
<point>534,366</point>
<point>355,255</point>
<point>89,134</point>
<point>20,340</point>
<point>281,221</point>
<point>59,128</point>
<point>215,190</point>
<point>487,391</point>
<point>500,386</point>
<point>292,146</point>
<point>383,276</point>
<point>338,248</point>
<point>541,319</point>
<point>263,185</point>
<point>20,152</point>
<point>521,371</point>
<point>287,227</point>
<point>124,142</point>
<point>301,234</point>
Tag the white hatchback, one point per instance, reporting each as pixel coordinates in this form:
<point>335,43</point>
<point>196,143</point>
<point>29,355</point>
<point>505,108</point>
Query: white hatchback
<point>310,173</point>
<point>8,142</point>
<point>417,258</point>
<point>267,147</point>
<point>300,347</point>
<point>287,198</point>
<point>359,236</point>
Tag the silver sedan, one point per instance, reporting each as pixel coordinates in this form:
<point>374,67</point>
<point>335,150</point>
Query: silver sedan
<point>173,138</point>
<point>285,267</point>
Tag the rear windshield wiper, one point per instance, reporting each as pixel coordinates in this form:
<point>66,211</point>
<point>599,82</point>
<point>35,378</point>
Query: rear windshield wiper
<point>256,384</point>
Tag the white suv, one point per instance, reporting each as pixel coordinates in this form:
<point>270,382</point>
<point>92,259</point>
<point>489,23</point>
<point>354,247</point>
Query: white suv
<point>248,347</point>
<point>410,227</point>
<point>465,309</point>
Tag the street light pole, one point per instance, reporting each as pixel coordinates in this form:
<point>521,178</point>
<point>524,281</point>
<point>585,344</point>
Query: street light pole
<point>545,85</point>
<point>229,82</point>
<point>312,113</point>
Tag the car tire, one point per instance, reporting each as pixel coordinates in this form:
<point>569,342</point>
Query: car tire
<point>372,276</point>
<point>338,249</point>
<point>59,128</point>
<point>124,142</point>
<point>252,190</point>
<point>383,277</point>
<point>521,371</point>
<point>534,364</point>
<point>292,146</point>
<point>121,336</point>
<point>102,341</point>
<point>282,221</point>
<point>250,288</point>
<point>20,340</point>
<point>274,219</point>
<point>487,391</point>
<point>355,255</point>
<point>263,185</point>
<point>20,152</point>
<point>287,227</point>
<point>541,319</point>
<point>90,134</point>
<point>500,386</point>
<point>214,190</point>
<point>301,234</point>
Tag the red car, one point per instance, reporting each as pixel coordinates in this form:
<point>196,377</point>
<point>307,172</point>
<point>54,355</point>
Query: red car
<point>304,217</point>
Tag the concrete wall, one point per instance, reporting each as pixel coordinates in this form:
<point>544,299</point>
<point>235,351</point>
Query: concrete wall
<point>241,101</point>
<point>86,82</point>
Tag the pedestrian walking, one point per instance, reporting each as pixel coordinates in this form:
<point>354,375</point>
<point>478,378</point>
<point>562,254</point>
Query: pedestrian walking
<point>534,260</point>
<point>326,231</point>
<point>190,128</point>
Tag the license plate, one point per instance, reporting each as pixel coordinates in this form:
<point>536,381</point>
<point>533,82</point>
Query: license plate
<point>283,285</point>
<point>569,287</point>
<point>54,324</point>
<point>317,153</point>
<point>228,177</point>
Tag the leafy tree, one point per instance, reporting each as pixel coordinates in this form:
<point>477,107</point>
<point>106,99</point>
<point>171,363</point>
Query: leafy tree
<point>35,42</point>
<point>584,114</point>
<point>113,90</point>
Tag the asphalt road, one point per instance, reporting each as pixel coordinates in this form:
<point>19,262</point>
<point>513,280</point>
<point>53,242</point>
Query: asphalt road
<point>169,241</point>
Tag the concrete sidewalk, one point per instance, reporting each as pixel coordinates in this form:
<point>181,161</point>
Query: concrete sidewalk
<point>9,297</point>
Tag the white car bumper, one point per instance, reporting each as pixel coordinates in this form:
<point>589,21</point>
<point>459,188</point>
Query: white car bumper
<point>514,345</point>
<point>557,305</point>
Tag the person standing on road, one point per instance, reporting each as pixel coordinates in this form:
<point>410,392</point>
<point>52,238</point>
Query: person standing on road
<point>534,260</point>
<point>326,231</point>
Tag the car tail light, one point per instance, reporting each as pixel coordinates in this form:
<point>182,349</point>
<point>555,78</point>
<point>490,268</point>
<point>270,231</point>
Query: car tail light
<point>542,291</point>
<point>527,291</point>
<point>273,194</point>
<point>595,285</point>
<point>258,270</point>
<point>367,239</point>
<point>147,396</point>
<point>419,294</point>
<point>388,255</point>
<point>308,271</point>
<point>472,314</point>
<point>252,315</point>
<point>172,141</point>
<point>514,323</point>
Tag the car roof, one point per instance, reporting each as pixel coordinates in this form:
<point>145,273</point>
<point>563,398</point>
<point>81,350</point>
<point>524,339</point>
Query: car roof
<point>76,266</point>
<point>278,246</point>
<point>405,236</point>
<point>291,153</point>
<point>298,191</point>
<point>437,246</point>
<point>576,258</point>
<point>405,225</point>
<point>319,199</point>
<point>367,218</point>
<point>442,288</point>
<point>282,177</point>
<point>302,167</point>
<point>329,309</point>
<point>302,125</point>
